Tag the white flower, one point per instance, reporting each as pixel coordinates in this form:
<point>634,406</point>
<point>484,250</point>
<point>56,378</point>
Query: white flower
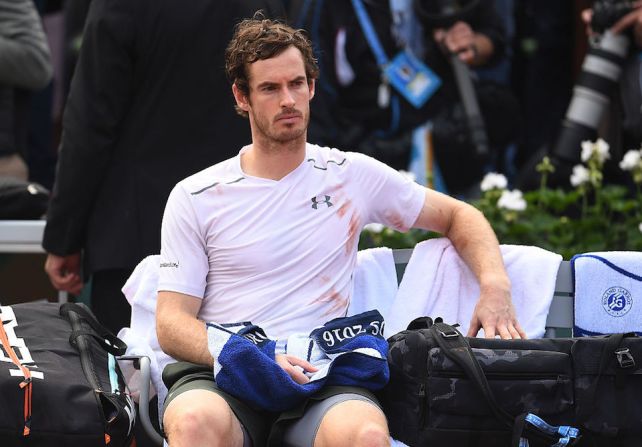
<point>580,175</point>
<point>512,200</point>
<point>493,180</point>
<point>600,148</point>
<point>640,227</point>
<point>587,150</point>
<point>374,227</point>
<point>409,175</point>
<point>631,160</point>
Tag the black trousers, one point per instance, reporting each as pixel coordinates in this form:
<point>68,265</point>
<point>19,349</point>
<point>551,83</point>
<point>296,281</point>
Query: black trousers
<point>107,300</point>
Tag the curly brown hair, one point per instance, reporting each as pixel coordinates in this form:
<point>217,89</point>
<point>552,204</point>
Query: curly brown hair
<point>259,38</point>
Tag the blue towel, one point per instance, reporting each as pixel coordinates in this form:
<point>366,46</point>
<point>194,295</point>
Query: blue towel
<point>608,293</point>
<point>348,351</point>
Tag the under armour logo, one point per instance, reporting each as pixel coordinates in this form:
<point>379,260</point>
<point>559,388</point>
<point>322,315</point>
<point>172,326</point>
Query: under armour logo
<point>316,202</point>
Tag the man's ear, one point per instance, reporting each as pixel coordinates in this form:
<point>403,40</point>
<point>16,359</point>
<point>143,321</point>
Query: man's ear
<point>311,86</point>
<point>241,99</point>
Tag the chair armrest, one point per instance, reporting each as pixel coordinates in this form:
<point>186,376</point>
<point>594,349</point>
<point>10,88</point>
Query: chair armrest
<point>143,363</point>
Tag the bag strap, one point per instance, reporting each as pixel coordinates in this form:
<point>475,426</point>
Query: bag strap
<point>455,346</point>
<point>420,323</point>
<point>425,323</point>
<point>102,335</point>
<point>370,34</point>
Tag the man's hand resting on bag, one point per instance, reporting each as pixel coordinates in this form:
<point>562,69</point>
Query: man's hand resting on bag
<point>495,313</point>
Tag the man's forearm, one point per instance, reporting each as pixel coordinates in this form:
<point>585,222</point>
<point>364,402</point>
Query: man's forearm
<point>475,241</point>
<point>185,341</point>
<point>180,334</point>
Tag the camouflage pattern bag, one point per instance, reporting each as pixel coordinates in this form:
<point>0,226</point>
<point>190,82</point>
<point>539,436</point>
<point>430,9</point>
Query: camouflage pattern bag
<point>466,391</point>
<point>447,388</point>
<point>608,387</point>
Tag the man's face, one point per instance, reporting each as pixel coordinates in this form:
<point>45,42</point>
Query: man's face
<point>279,97</point>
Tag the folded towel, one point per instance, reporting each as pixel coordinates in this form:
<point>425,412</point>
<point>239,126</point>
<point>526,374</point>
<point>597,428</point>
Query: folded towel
<point>375,282</point>
<point>438,283</point>
<point>348,351</point>
<point>608,292</point>
<point>141,293</point>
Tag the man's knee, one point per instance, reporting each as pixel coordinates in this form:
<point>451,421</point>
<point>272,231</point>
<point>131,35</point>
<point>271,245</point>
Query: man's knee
<point>199,417</point>
<point>372,434</point>
<point>353,423</point>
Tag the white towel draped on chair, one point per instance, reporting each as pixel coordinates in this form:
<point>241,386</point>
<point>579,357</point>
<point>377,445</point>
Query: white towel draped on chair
<point>141,292</point>
<point>438,283</point>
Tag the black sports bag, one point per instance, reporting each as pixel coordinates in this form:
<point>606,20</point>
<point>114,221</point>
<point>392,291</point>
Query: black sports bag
<point>60,384</point>
<point>447,389</point>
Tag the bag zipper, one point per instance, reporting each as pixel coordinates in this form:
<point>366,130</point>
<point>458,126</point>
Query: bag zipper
<point>423,404</point>
<point>26,384</point>
<point>560,378</point>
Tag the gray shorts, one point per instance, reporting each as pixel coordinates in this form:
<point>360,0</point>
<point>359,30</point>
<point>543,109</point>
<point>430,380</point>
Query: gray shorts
<point>301,432</point>
<point>293,428</point>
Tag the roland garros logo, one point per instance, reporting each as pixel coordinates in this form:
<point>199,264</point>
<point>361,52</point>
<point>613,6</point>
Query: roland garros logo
<point>617,301</point>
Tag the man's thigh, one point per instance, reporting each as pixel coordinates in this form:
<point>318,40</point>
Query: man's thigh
<point>194,385</point>
<point>200,410</point>
<point>332,420</point>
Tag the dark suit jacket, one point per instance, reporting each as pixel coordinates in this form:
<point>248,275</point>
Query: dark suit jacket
<point>149,105</point>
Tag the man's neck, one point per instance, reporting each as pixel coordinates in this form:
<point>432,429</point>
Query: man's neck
<point>273,161</point>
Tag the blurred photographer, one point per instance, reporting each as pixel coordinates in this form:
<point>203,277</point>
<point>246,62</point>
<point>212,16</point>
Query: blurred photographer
<point>359,107</point>
<point>607,96</point>
<point>475,49</point>
<point>631,21</point>
<point>622,122</point>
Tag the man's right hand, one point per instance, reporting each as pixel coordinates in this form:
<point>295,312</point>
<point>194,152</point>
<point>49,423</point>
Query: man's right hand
<point>64,272</point>
<point>295,366</point>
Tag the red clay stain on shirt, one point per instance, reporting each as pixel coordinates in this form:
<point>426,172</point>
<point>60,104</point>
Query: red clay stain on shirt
<point>396,221</point>
<point>325,279</point>
<point>347,205</point>
<point>353,233</point>
<point>337,301</point>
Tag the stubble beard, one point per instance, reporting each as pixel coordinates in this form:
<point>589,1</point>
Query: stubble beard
<point>283,139</point>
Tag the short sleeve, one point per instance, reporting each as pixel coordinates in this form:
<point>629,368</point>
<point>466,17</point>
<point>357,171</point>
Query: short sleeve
<point>388,197</point>
<point>183,261</point>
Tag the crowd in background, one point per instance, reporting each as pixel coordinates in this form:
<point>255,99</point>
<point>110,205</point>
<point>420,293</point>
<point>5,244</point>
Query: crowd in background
<point>121,99</point>
<point>542,45</point>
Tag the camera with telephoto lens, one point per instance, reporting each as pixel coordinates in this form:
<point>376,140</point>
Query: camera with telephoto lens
<point>600,74</point>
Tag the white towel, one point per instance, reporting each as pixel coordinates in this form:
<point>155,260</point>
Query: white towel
<point>608,292</point>
<point>438,283</point>
<point>375,282</point>
<point>141,292</point>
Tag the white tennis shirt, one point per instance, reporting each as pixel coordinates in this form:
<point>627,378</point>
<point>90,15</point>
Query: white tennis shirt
<point>279,253</point>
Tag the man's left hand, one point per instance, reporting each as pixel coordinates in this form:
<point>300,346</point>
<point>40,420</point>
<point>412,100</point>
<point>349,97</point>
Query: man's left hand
<point>495,313</point>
